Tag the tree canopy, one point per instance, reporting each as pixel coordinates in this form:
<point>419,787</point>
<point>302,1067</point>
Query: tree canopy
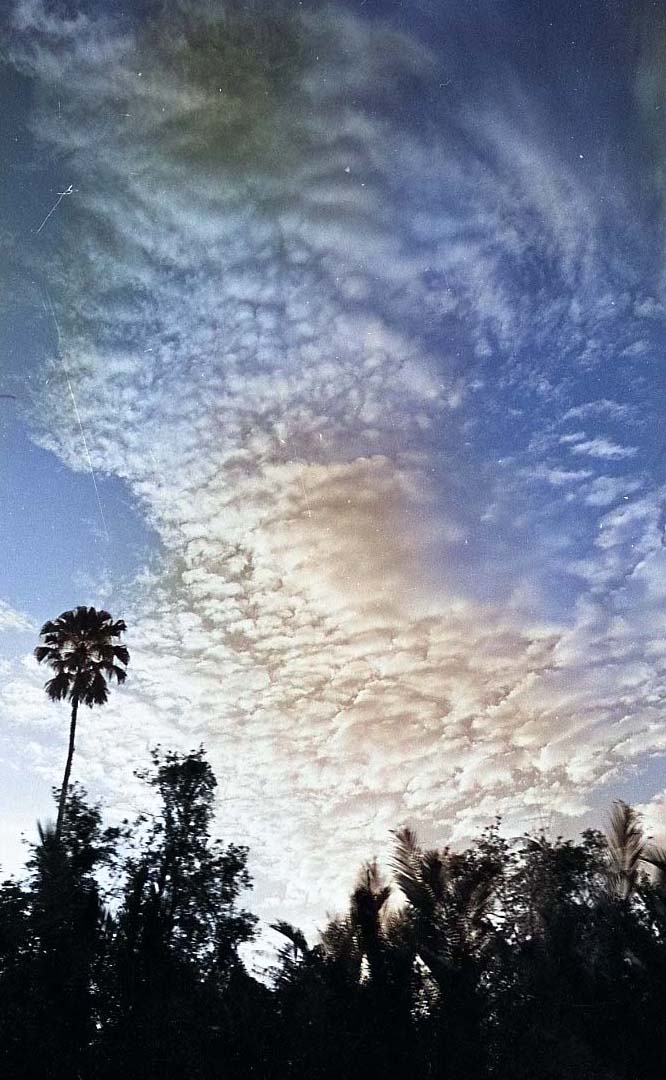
<point>121,955</point>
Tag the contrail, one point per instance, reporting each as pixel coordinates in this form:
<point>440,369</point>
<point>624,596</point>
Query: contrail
<point>77,414</point>
<point>307,501</point>
<point>61,196</point>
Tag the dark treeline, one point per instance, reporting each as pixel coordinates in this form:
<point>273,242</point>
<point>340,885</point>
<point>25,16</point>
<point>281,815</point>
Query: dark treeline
<point>538,958</point>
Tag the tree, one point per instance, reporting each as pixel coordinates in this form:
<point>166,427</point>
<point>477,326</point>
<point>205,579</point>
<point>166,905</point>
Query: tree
<point>82,648</point>
<point>193,879</point>
<point>179,979</point>
<point>52,950</point>
<point>450,899</point>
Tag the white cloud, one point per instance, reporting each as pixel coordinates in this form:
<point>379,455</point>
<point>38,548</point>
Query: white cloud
<point>600,447</point>
<point>605,490</point>
<point>11,620</point>
<point>557,477</point>
<point>236,313</point>
<point>603,407</point>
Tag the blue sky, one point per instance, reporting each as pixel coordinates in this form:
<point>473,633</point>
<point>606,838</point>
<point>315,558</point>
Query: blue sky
<point>362,308</point>
<point>52,532</point>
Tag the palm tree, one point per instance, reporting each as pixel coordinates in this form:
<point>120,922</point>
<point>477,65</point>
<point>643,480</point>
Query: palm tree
<point>368,903</point>
<point>450,900</point>
<point>82,648</point>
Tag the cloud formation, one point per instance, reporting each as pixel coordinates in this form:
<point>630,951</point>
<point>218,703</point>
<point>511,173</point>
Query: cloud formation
<point>263,285</point>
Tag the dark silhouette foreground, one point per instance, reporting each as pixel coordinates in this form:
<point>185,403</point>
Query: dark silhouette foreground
<point>516,960</point>
<point>82,647</point>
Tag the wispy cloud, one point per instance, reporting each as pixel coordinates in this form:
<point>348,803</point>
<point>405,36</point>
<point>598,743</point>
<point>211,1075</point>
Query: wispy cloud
<point>600,447</point>
<point>603,407</point>
<point>10,619</point>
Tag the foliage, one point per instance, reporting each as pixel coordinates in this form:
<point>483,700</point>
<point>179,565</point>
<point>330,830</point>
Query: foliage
<point>82,649</point>
<point>119,955</point>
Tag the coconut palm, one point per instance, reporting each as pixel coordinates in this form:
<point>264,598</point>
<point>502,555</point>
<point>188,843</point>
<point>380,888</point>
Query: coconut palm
<point>82,648</point>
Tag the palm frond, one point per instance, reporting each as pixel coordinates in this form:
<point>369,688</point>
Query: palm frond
<point>96,691</point>
<point>45,652</point>
<point>59,686</point>
<point>434,873</point>
<point>339,944</point>
<point>406,865</point>
<point>626,845</point>
<point>118,673</point>
<point>656,856</point>
<point>293,934</point>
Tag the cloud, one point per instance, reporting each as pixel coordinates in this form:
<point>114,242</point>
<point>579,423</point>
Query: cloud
<point>603,407</point>
<point>262,287</point>
<point>605,490</point>
<point>11,620</point>
<point>600,447</point>
<point>557,477</point>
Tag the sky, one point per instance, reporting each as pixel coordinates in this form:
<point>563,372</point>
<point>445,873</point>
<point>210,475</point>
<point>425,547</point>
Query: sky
<point>338,373</point>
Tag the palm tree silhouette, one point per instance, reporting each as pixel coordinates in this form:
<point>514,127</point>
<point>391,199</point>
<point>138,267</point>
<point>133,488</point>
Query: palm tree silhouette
<point>81,647</point>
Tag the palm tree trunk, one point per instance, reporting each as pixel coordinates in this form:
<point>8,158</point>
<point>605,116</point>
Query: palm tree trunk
<point>68,768</point>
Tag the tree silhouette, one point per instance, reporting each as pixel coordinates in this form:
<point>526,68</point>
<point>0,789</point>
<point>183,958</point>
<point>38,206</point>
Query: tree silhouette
<point>51,953</point>
<point>513,959</point>
<point>178,930</point>
<point>449,900</point>
<point>82,648</point>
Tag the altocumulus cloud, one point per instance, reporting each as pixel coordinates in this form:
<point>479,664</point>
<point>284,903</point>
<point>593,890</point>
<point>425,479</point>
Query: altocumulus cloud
<point>254,239</point>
